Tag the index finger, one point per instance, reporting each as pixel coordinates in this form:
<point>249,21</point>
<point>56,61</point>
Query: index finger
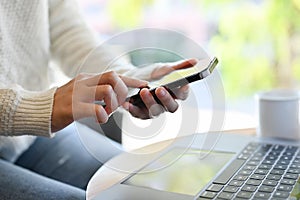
<point>185,64</point>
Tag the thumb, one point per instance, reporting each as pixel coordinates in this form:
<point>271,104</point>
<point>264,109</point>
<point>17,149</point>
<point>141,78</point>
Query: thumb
<point>185,64</point>
<point>134,83</point>
<point>166,69</point>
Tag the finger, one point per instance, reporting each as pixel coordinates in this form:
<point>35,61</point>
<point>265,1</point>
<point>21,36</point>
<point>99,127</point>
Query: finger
<point>185,64</point>
<point>154,108</point>
<point>134,83</point>
<point>106,93</point>
<point>182,93</point>
<point>110,99</point>
<point>168,68</point>
<point>91,110</point>
<point>104,78</point>
<point>138,112</point>
<point>111,78</point>
<point>166,99</point>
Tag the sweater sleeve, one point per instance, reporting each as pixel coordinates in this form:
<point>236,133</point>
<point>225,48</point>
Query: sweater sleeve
<point>24,112</point>
<point>72,41</point>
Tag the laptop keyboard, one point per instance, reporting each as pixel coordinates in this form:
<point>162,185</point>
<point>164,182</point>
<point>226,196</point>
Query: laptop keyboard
<point>261,171</point>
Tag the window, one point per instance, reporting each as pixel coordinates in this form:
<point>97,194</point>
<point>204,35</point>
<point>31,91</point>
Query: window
<point>257,41</point>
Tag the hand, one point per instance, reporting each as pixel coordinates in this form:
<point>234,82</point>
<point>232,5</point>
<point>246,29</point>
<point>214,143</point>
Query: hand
<point>152,108</point>
<point>76,99</point>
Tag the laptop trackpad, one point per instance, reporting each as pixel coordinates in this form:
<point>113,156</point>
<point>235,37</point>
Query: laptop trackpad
<point>181,173</point>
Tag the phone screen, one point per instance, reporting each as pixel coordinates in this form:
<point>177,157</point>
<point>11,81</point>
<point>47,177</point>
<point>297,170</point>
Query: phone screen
<point>178,78</point>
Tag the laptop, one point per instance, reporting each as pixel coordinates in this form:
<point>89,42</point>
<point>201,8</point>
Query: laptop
<point>234,166</point>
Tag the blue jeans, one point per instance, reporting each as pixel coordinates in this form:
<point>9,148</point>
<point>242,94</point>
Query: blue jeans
<point>57,168</point>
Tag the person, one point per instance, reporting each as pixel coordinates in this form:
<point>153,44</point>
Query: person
<point>33,34</point>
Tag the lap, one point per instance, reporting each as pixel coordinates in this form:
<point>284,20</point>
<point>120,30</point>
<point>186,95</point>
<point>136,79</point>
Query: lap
<point>65,158</point>
<point>19,183</point>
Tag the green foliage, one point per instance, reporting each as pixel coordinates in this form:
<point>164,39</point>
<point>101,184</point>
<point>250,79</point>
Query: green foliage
<point>257,41</point>
<point>127,13</point>
<point>255,44</point>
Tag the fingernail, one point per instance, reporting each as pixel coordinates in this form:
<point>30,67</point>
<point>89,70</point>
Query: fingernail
<point>102,115</point>
<point>145,91</point>
<point>186,90</point>
<point>162,92</point>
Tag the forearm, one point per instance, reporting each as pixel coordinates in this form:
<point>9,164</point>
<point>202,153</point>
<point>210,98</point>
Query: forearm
<point>25,113</point>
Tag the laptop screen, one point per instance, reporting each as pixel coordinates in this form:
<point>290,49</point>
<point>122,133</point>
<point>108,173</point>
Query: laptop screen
<point>186,175</point>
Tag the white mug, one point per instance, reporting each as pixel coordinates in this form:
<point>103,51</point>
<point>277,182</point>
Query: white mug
<point>278,114</point>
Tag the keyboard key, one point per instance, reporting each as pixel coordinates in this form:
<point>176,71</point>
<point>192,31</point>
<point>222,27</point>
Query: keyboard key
<point>281,194</point>
<point>245,172</point>
<point>291,176</point>
<point>274,177</point>
<point>244,156</point>
<point>268,162</point>
<point>253,162</point>
<point>287,182</point>
<point>243,194</point>
<point>265,188</point>
<point>253,182</point>
<point>277,171</point>
<point>291,149</point>
<point>253,145</point>
<point>288,153</point>
<point>231,189</point>
<point>286,157</point>
<point>283,162</point>
<point>249,167</point>
<point>257,176</point>
<point>278,148</point>
<point>295,166</point>
<point>225,195</point>
<point>271,157</point>
<point>236,183</point>
<point>286,188</point>
<point>270,182</point>
<point>262,195</point>
<point>240,177</point>
<point>264,166</point>
<point>249,188</point>
<point>260,154</point>
<point>266,146</point>
<point>229,172</point>
<point>296,161</point>
<point>208,195</point>
<point>215,188</point>
<point>280,166</point>
<point>248,151</point>
<point>256,158</point>
<point>274,153</point>
<point>261,171</point>
<point>294,171</point>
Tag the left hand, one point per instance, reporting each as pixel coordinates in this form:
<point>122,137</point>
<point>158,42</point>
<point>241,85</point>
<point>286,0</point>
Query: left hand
<point>152,108</point>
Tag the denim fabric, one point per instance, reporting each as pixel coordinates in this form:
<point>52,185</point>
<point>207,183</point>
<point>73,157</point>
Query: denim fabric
<point>17,183</point>
<point>57,168</point>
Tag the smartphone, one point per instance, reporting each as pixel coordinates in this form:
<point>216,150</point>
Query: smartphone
<point>173,81</point>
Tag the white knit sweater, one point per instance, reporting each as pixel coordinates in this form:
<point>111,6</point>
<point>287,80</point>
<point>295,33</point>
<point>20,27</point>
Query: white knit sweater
<point>33,33</point>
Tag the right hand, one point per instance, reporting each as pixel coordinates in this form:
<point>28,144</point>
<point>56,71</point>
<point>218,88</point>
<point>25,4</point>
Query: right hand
<point>76,99</point>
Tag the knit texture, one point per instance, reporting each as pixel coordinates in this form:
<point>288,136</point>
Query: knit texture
<point>26,112</point>
<point>33,34</point>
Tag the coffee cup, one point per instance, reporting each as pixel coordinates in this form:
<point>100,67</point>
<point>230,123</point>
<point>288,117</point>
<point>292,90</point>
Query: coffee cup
<point>278,114</point>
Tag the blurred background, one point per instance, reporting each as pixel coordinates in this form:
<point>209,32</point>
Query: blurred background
<point>257,41</point>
